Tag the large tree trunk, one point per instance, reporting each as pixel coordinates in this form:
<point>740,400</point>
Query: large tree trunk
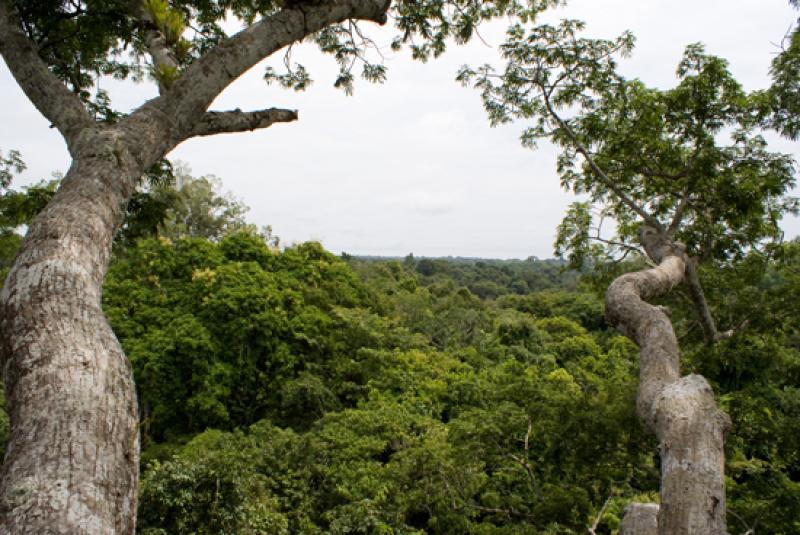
<point>681,411</point>
<point>72,461</point>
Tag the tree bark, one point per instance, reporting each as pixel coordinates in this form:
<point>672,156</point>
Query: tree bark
<point>640,519</point>
<point>72,461</point>
<point>681,412</point>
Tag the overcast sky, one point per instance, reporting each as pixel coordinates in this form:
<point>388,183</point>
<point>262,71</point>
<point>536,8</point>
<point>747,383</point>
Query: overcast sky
<point>412,165</point>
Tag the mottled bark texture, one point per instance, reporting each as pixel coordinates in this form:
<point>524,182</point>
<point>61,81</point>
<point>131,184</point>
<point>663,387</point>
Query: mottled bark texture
<point>640,519</point>
<point>226,122</point>
<point>680,411</point>
<point>72,462</point>
<point>71,465</point>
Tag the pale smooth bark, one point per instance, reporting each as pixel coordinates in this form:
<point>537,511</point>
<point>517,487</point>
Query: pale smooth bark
<point>71,465</point>
<point>680,411</point>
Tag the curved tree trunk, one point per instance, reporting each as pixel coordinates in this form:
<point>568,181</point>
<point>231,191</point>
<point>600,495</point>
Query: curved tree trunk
<point>680,411</point>
<point>72,461</point>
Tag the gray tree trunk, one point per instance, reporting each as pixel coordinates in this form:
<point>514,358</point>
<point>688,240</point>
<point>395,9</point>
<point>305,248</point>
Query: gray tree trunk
<point>680,411</point>
<point>72,461</point>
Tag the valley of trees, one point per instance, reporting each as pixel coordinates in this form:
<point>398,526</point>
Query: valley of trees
<point>162,355</point>
<point>288,390</point>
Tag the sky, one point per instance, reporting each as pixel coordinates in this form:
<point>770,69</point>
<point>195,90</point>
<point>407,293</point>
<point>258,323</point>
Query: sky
<point>412,165</point>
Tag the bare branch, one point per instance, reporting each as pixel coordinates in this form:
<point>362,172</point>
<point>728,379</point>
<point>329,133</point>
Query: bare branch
<point>751,529</point>
<point>524,463</point>
<point>50,96</point>
<point>733,331</point>
<point>227,122</point>
<point>700,304</point>
<point>677,218</point>
<point>622,245</point>
<point>599,517</point>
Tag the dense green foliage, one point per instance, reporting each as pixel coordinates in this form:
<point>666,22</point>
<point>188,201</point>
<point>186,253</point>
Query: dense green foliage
<point>781,102</point>
<point>390,402</point>
<point>292,391</point>
<point>385,404</point>
<point>492,278</point>
<point>757,373</point>
<point>658,157</point>
<point>176,204</point>
<point>17,208</point>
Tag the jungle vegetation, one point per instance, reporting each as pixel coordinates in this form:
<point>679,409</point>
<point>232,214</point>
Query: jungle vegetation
<point>290,390</point>
<point>284,389</point>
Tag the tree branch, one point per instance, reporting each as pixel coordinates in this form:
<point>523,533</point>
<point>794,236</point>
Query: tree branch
<point>692,280</point>
<point>47,93</point>
<point>226,122</point>
<point>201,82</point>
<point>605,179</point>
<point>649,173</point>
<point>680,411</point>
<point>677,219</point>
<point>156,42</point>
<point>593,528</point>
<point>622,245</point>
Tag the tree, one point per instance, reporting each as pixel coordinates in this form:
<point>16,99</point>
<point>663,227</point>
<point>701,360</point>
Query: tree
<point>781,102</point>
<point>183,206</point>
<point>375,417</point>
<point>72,462</point>
<point>647,159</point>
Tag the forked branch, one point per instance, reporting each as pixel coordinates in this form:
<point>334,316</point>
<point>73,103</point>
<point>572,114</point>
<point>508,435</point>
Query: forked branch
<point>202,81</point>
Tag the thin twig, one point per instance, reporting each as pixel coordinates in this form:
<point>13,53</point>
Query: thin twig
<point>592,529</point>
